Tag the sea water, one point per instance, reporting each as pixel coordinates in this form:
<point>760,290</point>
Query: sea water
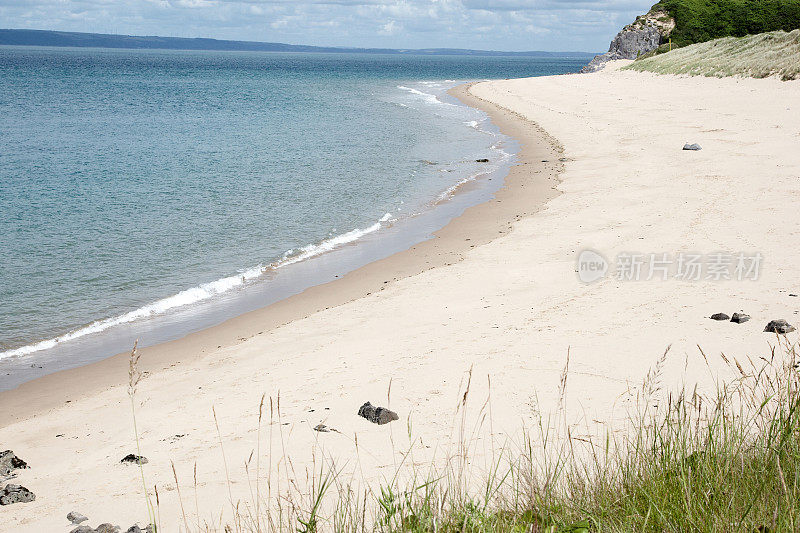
<point>147,194</point>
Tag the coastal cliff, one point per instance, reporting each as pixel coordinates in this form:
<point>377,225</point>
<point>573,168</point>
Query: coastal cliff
<point>686,22</point>
<point>643,35</point>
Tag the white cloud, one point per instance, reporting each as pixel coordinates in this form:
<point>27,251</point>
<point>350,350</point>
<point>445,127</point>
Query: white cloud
<point>495,24</point>
<point>390,28</point>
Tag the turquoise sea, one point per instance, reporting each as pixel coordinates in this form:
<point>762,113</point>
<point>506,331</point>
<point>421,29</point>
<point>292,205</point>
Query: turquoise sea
<point>151,193</point>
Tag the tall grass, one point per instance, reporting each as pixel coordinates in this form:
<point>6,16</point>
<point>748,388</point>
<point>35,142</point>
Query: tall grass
<point>688,461</point>
<point>134,377</point>
<point>759,56</point>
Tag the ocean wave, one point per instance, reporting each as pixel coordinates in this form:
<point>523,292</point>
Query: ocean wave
<point>203,291</point>
<point>428,97</point>
<point>500,150</point>
<point>331,244</point>
<point>450,191</point>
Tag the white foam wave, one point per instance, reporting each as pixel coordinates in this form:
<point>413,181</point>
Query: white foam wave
<point>204,291</point>
<point>181,299</point>
<point>328,245</point>
<point>502,158</point>
<point>428,97</point>
<point>501,151</point>
<point>450,191</point>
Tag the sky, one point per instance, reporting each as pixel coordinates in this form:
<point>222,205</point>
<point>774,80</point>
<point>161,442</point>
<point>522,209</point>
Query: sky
<point>509,25</point>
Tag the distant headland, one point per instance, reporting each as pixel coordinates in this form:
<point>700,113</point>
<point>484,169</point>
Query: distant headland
<point>103,40</point>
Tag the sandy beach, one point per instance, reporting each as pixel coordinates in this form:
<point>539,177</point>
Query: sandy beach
<point>495,299</point>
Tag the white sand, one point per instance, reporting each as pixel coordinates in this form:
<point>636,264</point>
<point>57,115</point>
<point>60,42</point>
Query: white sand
<point>510,309</point>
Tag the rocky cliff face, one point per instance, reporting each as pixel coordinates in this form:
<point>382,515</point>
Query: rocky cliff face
<point>645,34</point>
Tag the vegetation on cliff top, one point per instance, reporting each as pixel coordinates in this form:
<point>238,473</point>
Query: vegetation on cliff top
<point>698,21</point>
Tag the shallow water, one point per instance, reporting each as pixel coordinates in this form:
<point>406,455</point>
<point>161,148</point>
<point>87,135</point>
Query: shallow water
<point>152,193</point>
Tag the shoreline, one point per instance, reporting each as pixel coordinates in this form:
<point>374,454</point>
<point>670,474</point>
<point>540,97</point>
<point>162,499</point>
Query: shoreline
<point>519,196</point>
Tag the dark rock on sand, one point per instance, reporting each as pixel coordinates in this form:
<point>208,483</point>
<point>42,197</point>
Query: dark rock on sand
<point>719,316</point>
<point>15,494</point>
<point>740,318</point>
<point>137,529</point>
<point>779,326</point>
<point>110,528</point>
<point>10,462</point>
<point>134,459</point>
<point>377,415</point>
<point>693,146</point>
<point>76,518</point>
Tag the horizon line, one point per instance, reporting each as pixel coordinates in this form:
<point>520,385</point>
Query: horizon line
<point>256,45</point>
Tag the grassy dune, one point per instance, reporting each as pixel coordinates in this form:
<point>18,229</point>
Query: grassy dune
<point>759,56</point>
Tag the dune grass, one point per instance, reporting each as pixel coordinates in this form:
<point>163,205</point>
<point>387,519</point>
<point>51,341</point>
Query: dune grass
<point>720,462</point>
<point>759,56</point>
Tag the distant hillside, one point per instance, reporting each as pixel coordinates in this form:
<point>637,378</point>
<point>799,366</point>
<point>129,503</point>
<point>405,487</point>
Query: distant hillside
<point>102,40</point>
<point>757,56</point>
<point>697,21</point>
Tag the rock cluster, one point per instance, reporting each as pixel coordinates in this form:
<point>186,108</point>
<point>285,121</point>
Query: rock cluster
<point>11,494</point>
<point>103,528</point>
